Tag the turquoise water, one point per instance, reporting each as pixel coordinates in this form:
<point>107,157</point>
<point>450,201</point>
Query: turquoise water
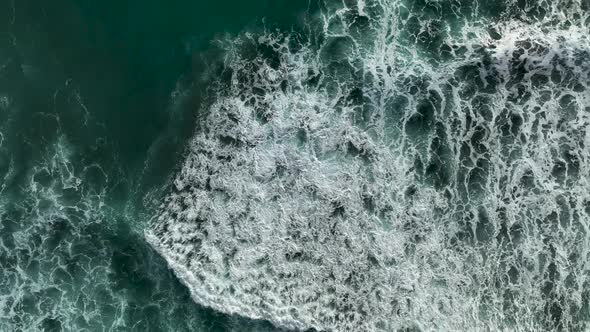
<point>356,165</point>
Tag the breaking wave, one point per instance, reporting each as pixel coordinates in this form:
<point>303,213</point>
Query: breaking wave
<point>399,164</point>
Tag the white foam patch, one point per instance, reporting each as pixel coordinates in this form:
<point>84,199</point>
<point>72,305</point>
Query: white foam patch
<point>369,188</point>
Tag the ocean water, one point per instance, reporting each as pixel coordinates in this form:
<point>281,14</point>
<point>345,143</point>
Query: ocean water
<point>351,165</point>
<point>90,130</point>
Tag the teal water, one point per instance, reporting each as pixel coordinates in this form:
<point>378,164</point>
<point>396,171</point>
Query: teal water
<point>87,130</point>
<point>356,165</point>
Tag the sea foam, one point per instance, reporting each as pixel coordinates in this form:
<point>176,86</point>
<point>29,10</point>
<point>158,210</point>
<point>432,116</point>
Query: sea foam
<point>411,165</point>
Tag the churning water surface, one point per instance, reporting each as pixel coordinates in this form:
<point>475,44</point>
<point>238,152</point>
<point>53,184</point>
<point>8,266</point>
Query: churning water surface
<point>352,165</point>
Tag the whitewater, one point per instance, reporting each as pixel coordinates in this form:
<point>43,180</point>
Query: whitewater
<point>397,165</point>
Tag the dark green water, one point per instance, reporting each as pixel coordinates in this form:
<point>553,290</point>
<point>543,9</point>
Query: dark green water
<point>88,129</point>
<point>355,165</point>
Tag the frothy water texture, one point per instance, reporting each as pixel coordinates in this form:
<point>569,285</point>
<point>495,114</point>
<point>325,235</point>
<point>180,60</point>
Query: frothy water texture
<point>418,165</point>
<point>383,165</point>
<point>81,134</point>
